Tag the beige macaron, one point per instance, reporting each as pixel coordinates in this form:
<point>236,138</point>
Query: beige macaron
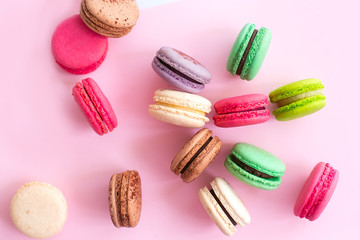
<point>38,210</point>
<point>110,18</point>
<point>125,199</point>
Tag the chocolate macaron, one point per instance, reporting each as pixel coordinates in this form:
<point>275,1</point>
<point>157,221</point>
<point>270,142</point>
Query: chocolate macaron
<point>110,18</point>
<point>196,155</point>
<point>125,199</point>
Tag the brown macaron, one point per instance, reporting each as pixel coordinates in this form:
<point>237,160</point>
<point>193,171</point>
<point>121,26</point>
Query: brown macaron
<point>196,155</point>
<point>125,198</point>
<point>110,18</point>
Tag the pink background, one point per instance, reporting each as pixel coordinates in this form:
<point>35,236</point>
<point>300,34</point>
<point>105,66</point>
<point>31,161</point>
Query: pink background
<point>44,137</point>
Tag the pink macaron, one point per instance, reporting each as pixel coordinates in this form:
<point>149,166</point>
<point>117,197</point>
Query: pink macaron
<point>241,110</point>
<point>317,191</point>
<point>76,48</point>
<point>95,106</point>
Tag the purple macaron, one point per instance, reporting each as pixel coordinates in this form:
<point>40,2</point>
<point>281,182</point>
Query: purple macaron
<point>180,70</point>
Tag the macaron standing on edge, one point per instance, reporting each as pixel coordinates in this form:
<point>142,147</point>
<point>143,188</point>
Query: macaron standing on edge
<point>95,106</point>
<point>298,99</point>
<point>248,52</point>
<point>316,192</point>
<point>224,206</point>
<point>196,155</point>
<point>125,198</point>
<point>255,166</point>
<point>241,110</point>
<point>180,108</point>
<point>180,70</point>
<point>76,48</point>
<point>110,18</point>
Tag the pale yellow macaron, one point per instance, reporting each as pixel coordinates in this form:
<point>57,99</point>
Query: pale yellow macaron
<point>38,210</point>
<point>180,108</point>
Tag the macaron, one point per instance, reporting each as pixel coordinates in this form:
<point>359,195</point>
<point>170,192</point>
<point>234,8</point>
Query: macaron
<point>38,210</point>
<point>180,70</point>
<point>316,192</point>
<point>298,99</point>
<point>248,51</point>
<point>110,18</point>
<point>255,166</point>
<point>125,199</point>
<point>95,106</point>
<point>76,48</point>
<point>196,155</point>
<point>241,110</point>
<point>180,108</point>
<point>224,206</point>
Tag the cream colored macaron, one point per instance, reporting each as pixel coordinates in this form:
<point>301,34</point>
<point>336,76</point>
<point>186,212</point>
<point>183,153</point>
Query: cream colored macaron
<point>38,210</point>
<point>224,206</point>
<point>180,108</point>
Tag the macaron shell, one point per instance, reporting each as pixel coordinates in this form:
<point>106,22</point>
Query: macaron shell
<point>76,48</point>
<point>300,108</point>
<point>310,190</point>
<point>256,54</point>
<point>134,198</point>
<point>241,119</point>
<point>252,180</point>
<point>189,150</point>
<point>114,199</point>
<point>202,161</point>
<point>177,116</point>
<point>259,159</point>
<point>241,103</point>
<point>215,212</point>
<point>184,64</point>
<point>238,48</point>
<point>175,79</point>
<point>101,103</point>
<point>231,201</point>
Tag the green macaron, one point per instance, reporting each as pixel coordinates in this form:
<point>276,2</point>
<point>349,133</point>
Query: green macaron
<point>255,166</point>
<point>298,99</point>
<point>248,51</point>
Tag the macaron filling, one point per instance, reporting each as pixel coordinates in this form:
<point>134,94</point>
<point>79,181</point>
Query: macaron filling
<point>222,207</point>
<point>246,53</point>
<point>196,155</point>
<point>181,108</point>
<point>298,97</point>
<point>319,191</point>
<point>249,169</point>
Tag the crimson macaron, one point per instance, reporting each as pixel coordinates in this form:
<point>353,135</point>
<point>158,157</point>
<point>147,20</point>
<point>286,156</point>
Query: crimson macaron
<point>317,191</point>
<point>76,48</point>
<point>95,106</point>
<point>241,110</point>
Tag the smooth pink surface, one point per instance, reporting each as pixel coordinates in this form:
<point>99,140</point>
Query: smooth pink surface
<point>44,136</point>
<point>76,48</point>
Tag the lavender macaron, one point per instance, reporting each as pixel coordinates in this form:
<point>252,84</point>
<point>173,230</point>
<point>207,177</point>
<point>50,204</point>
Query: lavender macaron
<point>180,70</point>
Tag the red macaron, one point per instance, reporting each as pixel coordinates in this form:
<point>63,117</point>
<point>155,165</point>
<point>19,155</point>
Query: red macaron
<point>241,110</point>
<point>317,191</point>
<point>76,48</point>
<point>95,106</point>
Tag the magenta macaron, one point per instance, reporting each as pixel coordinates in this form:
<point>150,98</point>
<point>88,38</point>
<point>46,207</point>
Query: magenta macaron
<point>95,106</point>
<point>241,110</point>
<point>76,48</point>
<point>316,192</point>
<point>180,70</point>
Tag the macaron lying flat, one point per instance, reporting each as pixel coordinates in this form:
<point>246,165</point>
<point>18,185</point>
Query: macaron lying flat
<point>38,210</point>
<point>298,99</point>
<point>180,108</point>
<point>76,48</point>
<point>95,106</point>
<point>125,199</point>
<point>196,155</point>
<point>248,51</point>
<point>180,70</point>
<point>111,18</point>
<point>255,166</point>
<point>316,192</point>
<point>242,110</point>
<point>224,206</point>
